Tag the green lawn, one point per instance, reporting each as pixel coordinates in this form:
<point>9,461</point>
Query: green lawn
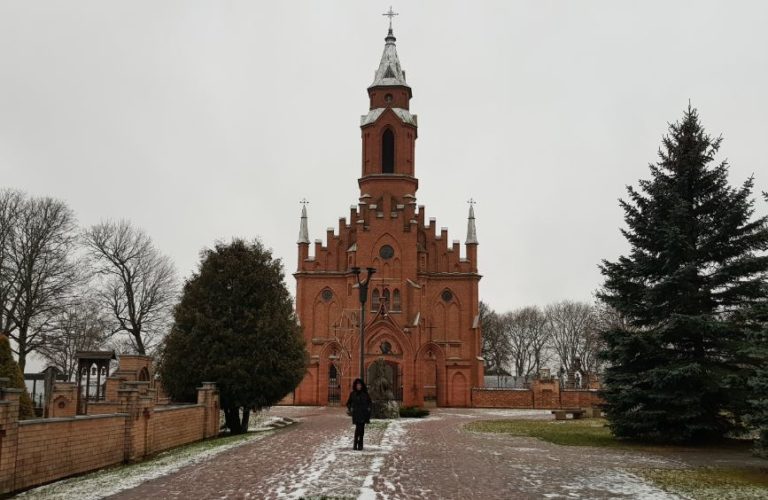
<point>584,432</point>
<point>698,483</point>
<point>716,483</point>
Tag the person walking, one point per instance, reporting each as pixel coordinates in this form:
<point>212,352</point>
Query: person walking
<point>359,406</point>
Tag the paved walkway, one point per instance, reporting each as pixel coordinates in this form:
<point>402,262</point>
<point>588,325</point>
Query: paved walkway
<point>430,458</point>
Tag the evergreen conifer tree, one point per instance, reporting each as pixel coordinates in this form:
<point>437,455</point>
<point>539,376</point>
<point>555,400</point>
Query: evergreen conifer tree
<point>756,353</point>
<point>235,326</point>
<point>676,371</point>
<point>9,369</point>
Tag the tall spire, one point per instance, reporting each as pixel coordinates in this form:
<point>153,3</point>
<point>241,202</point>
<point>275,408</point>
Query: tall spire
<point>471,229</point>
<point>303,228</point>
<point>389,73</point>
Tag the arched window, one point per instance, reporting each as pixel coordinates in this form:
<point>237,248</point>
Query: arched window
<point>388,152</point>
<point>375,300</point>
<point>385,298</point>
<point>396,300</point>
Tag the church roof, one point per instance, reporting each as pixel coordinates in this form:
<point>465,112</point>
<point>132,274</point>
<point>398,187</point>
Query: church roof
<point>389,73</point>
<point>401,113</point>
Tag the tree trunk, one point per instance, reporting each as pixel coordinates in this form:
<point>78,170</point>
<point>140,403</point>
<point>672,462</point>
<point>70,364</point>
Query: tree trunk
<point>22,360</point>
<point>246,419</point>
<point>139,343</point>
<point>235,423</point>
<point>22,345</point>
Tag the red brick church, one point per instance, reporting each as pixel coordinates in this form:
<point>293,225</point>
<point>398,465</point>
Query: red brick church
<point>422,310</point>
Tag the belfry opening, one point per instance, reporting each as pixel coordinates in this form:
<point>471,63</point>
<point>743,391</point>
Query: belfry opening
<point>388,152</point>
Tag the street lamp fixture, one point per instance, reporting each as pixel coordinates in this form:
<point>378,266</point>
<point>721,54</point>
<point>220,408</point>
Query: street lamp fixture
<point>363,290</point>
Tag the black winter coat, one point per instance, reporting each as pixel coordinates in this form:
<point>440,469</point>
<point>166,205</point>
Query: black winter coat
<point>359,405</point>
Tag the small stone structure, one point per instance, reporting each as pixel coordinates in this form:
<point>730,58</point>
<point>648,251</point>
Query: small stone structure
<point>380,390</point>
<point>128,424</point>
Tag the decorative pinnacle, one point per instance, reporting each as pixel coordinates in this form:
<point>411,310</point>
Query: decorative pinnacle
<point>303,228</point>
<point>471,229</point>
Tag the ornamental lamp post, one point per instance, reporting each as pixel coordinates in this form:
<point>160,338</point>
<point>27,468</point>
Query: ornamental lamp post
<point>363,289</point>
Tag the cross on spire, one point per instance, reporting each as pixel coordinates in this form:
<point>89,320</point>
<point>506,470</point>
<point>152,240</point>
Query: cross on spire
<point>472,201</point>
<point>390,14</point>
<point>304,201</point>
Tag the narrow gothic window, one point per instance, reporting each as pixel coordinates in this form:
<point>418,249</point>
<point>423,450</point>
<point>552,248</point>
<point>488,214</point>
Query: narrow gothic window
<point>388,152</point>
<point>385,297</point>
<point>396,300</point>
<point>375,300</point>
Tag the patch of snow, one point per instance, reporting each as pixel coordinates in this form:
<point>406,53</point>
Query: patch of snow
<point>618,482</point>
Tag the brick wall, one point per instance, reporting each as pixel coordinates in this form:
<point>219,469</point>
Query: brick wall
<point>580,398</point>
<point>502,398</point>
<point>35,452</point>
<point>52,448</point>
<point>174,426</point>
<point>543,394</point>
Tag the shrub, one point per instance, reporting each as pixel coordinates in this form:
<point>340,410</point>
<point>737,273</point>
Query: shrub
<point>413,412</point>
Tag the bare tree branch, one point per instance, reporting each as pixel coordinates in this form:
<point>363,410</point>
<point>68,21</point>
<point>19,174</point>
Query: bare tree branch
<point>136,282</point>
<point>80,326</point>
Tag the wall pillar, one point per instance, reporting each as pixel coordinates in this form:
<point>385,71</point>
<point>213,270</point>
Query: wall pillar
<point>62,400</point>
<point>546,393</point>
<point>208,396</point>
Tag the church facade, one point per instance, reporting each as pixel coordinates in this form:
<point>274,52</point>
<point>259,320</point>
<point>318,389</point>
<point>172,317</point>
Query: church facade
<point>422,310</point>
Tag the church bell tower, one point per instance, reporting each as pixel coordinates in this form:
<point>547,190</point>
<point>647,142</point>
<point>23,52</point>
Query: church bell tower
<point>422,314</point>
<point>389,130</point>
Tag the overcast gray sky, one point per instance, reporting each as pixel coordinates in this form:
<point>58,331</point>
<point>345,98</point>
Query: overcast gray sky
<point>205,120</point>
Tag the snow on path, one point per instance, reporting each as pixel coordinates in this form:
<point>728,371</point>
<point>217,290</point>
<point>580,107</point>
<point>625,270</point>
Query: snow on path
<point>336,470</point>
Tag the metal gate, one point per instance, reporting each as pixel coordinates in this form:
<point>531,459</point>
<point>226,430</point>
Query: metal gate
<point>397,383</point>
<point>334,386</point>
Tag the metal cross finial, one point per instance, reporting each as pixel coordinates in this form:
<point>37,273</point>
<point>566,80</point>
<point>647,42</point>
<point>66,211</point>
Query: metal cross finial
<point>304,201</point>
<point>472,201</point>
<point>390,14</point>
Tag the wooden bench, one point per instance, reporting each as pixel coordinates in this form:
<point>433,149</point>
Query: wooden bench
<point>594,412</point>
<point>562,413</point>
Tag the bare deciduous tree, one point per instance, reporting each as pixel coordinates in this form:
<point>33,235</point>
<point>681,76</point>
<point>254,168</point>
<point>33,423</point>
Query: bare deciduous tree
<point>136,282</point>
<point>10,206</point>
<point>80,326</point>
<point>37,269</point>
<point>496,347</point>
<point>572,332</point>
<point>528,335</point>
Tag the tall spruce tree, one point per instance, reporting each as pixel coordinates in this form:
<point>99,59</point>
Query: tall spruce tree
<point>756,352</point>
<point>676,372</point>
<point>235,326</point>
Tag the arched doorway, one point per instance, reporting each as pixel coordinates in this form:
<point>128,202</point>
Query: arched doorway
<point>430,382</point>
<point>334,385</point>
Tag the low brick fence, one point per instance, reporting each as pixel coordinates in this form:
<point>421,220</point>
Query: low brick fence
<point>543,394</point>
<point>34,452</point>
